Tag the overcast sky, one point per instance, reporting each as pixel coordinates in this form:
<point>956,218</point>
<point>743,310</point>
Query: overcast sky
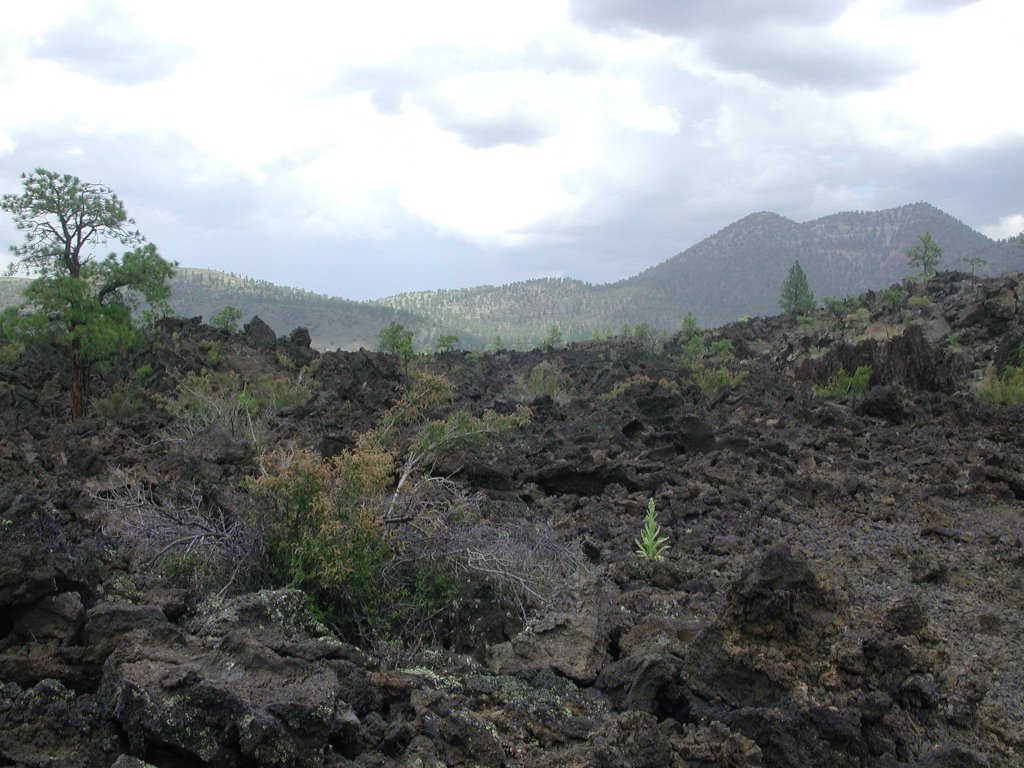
<point>362,148</point>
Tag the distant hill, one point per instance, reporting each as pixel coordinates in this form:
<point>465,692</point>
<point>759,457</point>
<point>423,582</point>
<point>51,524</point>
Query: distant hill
<point>735,272</point>
<point>333,323</point>
<point>739,270</point>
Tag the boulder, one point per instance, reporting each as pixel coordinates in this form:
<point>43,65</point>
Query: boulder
<point>258,332</point>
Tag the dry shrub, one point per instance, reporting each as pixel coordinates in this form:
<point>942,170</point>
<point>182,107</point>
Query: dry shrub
<point>527,562</point>
<point>243,410</point>
<point>547,378</point>
<point>193,544</point>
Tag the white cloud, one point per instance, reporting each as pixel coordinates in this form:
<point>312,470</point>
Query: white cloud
<point>506,140</point>
<point>1007,226</point>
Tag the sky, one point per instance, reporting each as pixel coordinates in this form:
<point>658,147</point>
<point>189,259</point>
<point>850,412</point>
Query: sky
<point>362,149</point>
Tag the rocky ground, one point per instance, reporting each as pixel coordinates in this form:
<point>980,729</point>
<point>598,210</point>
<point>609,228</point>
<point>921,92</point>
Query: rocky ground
<point>843,585</point>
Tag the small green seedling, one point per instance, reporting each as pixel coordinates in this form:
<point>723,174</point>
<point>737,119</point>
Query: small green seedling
<point>651,545</point>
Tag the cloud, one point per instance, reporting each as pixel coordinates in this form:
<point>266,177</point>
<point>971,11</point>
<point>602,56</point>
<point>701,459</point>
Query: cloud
<point>929,7</point>
<point>496,131</point>
<point>789,57</point>
<point>106,44</point>
<point>785,43</point>
<point>375,148</point>
<point>694,16</point>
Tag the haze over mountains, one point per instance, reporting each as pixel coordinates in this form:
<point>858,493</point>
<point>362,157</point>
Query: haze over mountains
<point>735,272</point>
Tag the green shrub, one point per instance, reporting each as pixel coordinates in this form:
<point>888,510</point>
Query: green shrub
<point>122,402</point>
<point>242,410</point>
<point>394,339</point>
<point>861,318</point>
<point>845,384</point>
<point>552,339</point>
<point>227,319</point>
<point>805,321</point>
<point>893,299</point>
<point>918,302</point>
<point>839,308</point>
<point>545,378</point>
<point>211,355</point>
<point>694,349</point>
<point>651,544</point>
<point>143,372</point>
<point>710,380</point>
<point>688,328</point>
<point>446,342</point>
<point>707,364</point>
<point>721,351</point>
<point>1006,387</point>
<point>334,527</point>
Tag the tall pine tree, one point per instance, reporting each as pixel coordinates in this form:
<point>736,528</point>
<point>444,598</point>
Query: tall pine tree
<point>796,295</point>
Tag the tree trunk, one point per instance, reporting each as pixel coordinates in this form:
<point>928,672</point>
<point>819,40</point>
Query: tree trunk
<point>79,383</point>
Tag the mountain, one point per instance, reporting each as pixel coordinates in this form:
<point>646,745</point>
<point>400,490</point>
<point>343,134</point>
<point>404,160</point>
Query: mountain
<point>739,270</point>
<point>735,272</point>
<point>333,323</point>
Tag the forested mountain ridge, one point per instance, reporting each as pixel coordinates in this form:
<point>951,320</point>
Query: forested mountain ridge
<point>333,323</point>
<point>738,271</point>
<point>735,272</point>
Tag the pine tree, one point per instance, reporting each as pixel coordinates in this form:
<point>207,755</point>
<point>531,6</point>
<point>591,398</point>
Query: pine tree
<point>796,295</point>
<point>926,254</point>
<point>78,300</point>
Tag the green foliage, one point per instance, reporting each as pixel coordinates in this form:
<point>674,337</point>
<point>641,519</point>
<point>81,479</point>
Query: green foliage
<point>796,294</point>
<point>709,364</point>
<point>663,385</point>
<point>694,349</point>
<point>77,300</point>
<point>394,339</point>
<point>839,308</point>
<point>545,379</point>
<point>651,544</point>
<point>10,347</point>
<point>805,321</point>
<point>711,380</point>
<point>552,339</point>
<point>424,393</point>
<point>331,531</point>
<point>212,354</point>
<point>918,302</point>
<point>925,254</point>
<point>242,410</point>
<point>973,262</point>
<point>861,319</point>
<point>143,372</point>
<point>227,319</point>
<point>721,351</point>
<point>1006,387</point>
<point>463,432</point>
<point>688,328</point>
<point>446,342</point>
<point>846,384</point>
<point>893,299</point>
<point>326,535</point>
<point>122,402</point>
